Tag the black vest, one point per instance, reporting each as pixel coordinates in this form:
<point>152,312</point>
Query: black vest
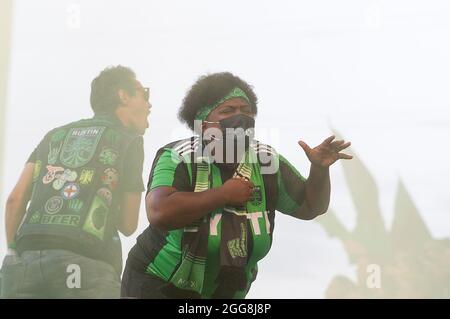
<point>76,188</point>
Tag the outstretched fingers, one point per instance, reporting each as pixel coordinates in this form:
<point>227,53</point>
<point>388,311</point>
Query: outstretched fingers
<point>329,140</point>
<point>344,156</point>
<point>305,146</point>
<point>342,146</point>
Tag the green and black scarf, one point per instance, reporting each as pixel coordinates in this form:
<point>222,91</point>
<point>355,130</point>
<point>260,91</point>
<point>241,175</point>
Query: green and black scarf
<point>188,279</point>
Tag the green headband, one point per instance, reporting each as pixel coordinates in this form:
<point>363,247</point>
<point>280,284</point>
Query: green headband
<point>203,113</point>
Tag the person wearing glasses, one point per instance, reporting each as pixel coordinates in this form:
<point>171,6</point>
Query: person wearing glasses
<point>211,198</point>
<point>79,187</point>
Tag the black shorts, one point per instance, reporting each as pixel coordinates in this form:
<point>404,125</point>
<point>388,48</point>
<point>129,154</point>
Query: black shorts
<point>138,284</point>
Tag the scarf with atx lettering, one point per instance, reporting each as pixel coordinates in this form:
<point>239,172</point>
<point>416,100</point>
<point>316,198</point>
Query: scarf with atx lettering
<point>188,279</point>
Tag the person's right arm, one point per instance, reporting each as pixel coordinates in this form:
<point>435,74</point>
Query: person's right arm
<point>168,208</point>
<point>132,187</point>
<point>17,202</point>
<point>18,199</point>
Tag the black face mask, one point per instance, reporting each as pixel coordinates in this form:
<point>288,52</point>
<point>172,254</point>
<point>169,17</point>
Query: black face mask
<point>246,123</point>
<point>240,132</point>
<point>239,120</point>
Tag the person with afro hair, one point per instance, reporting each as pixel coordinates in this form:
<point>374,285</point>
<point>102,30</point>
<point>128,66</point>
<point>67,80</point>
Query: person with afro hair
<point>211,198</point>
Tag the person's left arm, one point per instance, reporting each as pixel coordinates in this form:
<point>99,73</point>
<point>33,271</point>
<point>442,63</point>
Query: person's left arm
<point>308,198</point>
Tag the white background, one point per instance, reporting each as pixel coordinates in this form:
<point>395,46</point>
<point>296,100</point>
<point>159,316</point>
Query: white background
<point>377,71</point>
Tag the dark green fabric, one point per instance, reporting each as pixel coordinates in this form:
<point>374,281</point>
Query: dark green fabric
<point>291,185</point>
<point>163,250</point>
<point>189,277</point>
<point>81,170</point>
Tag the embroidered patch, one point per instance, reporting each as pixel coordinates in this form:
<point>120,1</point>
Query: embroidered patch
<point>108,157</point>
<point>54,205</point>
<point>105,194</point>
<point>53,153</point>
<point>70,191</point>
<point>75,204</point>
<point>61,179</point>
<point>68,220</point>
<point>37,170</point>
<point>80,145</point>
<point>95,223</point>
<point>35,218</point>
<point>256,197</point>
<point>86,176</point>
<point>51,173</point>
<point>55,146</point>
<point>237,247</point>
<point>110,178</point>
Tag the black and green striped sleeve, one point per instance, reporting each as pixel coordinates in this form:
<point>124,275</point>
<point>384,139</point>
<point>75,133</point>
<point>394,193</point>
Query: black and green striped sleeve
<point>291,187</point>
<point>169,170</point>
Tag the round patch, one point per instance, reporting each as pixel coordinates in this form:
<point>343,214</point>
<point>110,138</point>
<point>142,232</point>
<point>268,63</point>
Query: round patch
<point>110,178</point>
<point>108,156</point>
<point>62,178</point>
<point>54,205</point>
<point>70,191</point>
<point>105,194</point>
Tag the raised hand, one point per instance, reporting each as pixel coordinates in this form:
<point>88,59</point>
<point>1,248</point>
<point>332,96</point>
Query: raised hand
<point>328,152</point>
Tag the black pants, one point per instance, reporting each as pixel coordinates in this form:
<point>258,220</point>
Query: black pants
<point>138,284</point>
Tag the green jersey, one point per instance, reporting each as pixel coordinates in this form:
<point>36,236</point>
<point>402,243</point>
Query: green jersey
<point>160,252</point>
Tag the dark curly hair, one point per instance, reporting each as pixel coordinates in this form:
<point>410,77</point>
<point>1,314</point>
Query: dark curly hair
<point>209,89</point>
<point>104,88</point>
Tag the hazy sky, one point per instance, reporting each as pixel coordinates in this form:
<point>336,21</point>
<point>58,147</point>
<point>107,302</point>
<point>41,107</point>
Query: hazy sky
<point>377,71</point>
